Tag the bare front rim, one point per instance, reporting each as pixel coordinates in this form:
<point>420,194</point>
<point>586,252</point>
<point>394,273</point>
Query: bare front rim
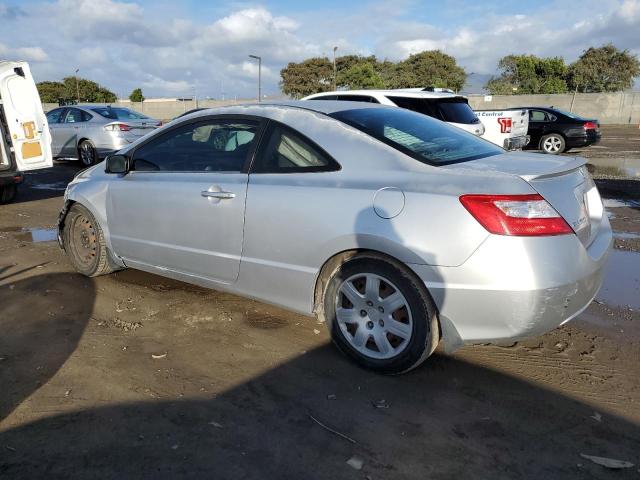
<point>373,315</point>
<point>84,240</point>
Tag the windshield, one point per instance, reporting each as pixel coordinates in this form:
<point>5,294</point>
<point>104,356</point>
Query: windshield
<point>452,109</point>
<point>421,137</point>
<point>119,113</point>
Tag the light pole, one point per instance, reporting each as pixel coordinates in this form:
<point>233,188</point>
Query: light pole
<point>259,75</point>
<point>334,69</point>
<point>77,86</point>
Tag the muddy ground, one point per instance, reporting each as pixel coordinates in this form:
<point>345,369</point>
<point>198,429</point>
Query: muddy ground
<point>135,376</point>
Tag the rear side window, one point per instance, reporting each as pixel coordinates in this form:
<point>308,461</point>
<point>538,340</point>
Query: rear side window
<point>54,115</point>
<point>325,97</point>
<point>537,116</point>
<point>287,151</point>
<point>454,110</point>
<point>423,138</point>
<point>74,116</point>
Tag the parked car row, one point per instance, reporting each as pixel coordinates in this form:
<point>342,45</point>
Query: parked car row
<point>548,129</point>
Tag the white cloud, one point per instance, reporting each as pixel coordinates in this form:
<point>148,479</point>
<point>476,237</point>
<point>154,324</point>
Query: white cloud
<point>123,45</point>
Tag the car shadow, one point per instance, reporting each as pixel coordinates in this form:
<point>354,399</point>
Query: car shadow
<point>37,335</point>
<point>308,416</point>
<point>46,183</point>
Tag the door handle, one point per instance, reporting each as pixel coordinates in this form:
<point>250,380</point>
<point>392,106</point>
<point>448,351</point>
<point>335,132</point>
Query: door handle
<point>220,195</point>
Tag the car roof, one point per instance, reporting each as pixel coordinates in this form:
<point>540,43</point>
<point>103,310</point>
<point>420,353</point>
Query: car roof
<point>325,107</point>
<point>395,92</point>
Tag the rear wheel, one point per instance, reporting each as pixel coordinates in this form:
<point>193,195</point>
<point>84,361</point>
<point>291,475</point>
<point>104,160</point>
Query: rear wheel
<point>553,144</point>
<point>84,243</point>
<point>8,193</point>
<point>87,153</point>
<point>379,315</point>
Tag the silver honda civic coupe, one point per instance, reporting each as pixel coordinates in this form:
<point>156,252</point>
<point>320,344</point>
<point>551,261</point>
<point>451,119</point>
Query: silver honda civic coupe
<point>397,230</point>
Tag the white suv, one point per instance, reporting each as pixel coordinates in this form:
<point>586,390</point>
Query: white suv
<point>448,107</point>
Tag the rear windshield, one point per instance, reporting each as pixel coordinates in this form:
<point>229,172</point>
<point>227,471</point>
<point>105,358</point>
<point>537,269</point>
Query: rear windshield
<point>421,137</point>
<point>454,110</point>
<point>118,113</point>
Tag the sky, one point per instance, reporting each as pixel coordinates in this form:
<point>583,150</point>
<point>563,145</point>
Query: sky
<point>173,48</point>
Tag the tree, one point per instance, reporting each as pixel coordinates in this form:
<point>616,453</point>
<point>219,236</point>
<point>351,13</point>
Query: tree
<point>360,76</point>
<point>313,75</point>
<point>524,74</point>
<point>430,68</point>
<point>604,69</point>
<point>136,95</point>
<point>50,92</point>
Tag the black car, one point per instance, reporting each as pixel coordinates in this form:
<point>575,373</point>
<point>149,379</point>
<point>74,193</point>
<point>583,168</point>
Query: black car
<point>555,131</point>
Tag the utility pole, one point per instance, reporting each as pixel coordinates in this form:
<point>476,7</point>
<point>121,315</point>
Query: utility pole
<point>77,86</point>
<point>259,75</point>
<point>334,69</point>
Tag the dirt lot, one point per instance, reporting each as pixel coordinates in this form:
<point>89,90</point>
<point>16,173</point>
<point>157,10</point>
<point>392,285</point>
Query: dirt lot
<point>135,376</point>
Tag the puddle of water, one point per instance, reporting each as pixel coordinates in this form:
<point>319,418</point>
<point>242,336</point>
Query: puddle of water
<point>49,186</point>
<point>621,285</point>
<point>619,202</point>
<point>621,167</point>
<point>626,235</point>
<point>35,235</point>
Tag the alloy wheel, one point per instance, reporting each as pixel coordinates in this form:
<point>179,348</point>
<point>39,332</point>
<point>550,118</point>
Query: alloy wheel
<point>87,154</point>
<point>552,144</point>
<point>373,315</point>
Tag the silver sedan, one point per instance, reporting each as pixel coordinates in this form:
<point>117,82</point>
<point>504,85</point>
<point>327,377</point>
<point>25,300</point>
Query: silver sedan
<point>397,230</point>
<point>90,133</point>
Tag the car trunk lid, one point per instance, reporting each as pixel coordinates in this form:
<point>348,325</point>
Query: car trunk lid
<point>564,182</point>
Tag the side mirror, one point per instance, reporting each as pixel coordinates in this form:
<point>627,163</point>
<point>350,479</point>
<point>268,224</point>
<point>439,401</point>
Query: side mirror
<point>117,164</point>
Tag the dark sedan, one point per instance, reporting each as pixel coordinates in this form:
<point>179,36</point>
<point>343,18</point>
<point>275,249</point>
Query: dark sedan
<point>555,131</point>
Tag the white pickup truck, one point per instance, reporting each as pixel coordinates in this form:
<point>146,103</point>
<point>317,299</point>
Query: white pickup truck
<point>25,141</point>
<point>506,128</point>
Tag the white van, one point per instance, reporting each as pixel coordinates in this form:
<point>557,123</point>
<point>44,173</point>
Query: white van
<point>25,141</point>
<point>448,107</point>
<point>506,128</point>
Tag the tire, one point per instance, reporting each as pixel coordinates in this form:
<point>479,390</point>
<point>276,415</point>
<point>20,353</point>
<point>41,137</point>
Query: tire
<point>87,153</point>
<point>392,341</point>
<point>84,243</point>
<point>8,193</point>
<point>553,144</point>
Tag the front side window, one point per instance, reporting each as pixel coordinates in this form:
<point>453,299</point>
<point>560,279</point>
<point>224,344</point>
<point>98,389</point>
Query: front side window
<point>207,146</point>
<point>287,151</point>
<point>54,115</point>
<point>423,138</point>
<point>358,98</point>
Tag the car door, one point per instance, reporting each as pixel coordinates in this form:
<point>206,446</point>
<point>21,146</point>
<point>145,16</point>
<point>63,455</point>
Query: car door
<point>54,119</point>
<point>68,133</point>
<point>23,118</point>
<point>181,207</point>
<point>538,122</point>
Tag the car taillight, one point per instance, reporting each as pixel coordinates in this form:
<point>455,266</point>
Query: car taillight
<point>590,126</point>
<point>118,127</point>
<point>516,215</point>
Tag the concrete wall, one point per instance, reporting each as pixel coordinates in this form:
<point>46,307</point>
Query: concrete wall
<point>165,110</point>
<point>608,108</point>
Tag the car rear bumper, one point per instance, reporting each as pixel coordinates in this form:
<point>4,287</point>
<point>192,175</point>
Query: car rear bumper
<point>512,288</point>
<point>10,177</point>
<point>516,143</point>
<point>590,138</point>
